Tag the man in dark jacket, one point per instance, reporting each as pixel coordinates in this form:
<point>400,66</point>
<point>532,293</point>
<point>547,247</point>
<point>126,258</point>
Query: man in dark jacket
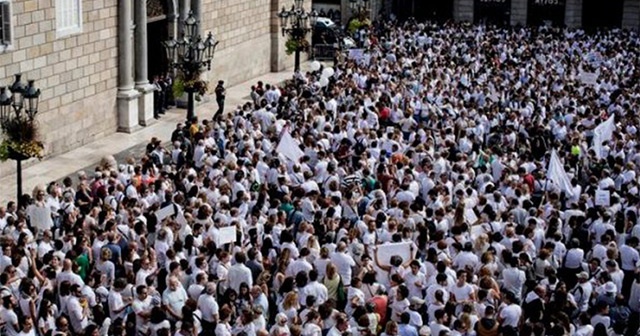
<point>488,325</point>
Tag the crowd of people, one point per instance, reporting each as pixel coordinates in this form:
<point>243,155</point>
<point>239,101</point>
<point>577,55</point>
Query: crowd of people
<point>435,138</point>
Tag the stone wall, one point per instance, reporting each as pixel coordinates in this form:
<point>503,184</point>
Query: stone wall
<point>77,74</point>
<point>251,42</point>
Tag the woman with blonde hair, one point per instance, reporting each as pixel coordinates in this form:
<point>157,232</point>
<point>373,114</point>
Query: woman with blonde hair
<point>106,267</point>
<point>290,306</point>
<point>481,244</point>
<point>314,249</point>
<point>391,329</point>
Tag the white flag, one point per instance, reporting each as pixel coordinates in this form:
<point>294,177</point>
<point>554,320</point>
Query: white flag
<point>289,148</point>
<point>558,175</point>
<point>602,133</point>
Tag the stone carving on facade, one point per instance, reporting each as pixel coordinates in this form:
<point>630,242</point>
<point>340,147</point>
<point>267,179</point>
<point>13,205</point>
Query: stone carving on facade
<point>156,8</point>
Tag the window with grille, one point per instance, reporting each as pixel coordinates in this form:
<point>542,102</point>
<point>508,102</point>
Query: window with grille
<point>68,17</point>
<point>5,24</point>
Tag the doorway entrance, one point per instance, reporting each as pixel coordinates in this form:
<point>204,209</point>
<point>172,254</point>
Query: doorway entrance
<point>492,12</point>
<point>157,33</point>
<point>598,14</point>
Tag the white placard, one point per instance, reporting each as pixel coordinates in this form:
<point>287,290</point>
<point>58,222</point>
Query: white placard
<point>476,231</point>
<point>385,252</point>
<point>289,148</point>
<point>356,54</point>
<point>40,217</point>
<point>226,235</point>
<point>165,212</point>
<point>603,198</point>
<point>470,216</point>
<point>589,78</point>
<point>180,219</point>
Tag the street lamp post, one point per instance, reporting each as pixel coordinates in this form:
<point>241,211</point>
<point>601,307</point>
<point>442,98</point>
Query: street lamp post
<point>190,54</point>
<point>18,109</point>
<point>297,23</point>
<point>360,8</point>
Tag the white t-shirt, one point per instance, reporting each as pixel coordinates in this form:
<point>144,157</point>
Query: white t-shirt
<point>139,307</point>
<point>208,306</point>
<point>10,319</point>
<point>511,315</point>
<point>462,293</point>
<point>175,299</point>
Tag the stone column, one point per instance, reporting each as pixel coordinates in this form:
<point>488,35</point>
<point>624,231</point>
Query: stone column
<point>463,10</point>
<point>631,14</point>
<point>183,13</point>
<point>145,102</point>
<point>573,13</point>
<point>196,8</point>
<point>127,96</point>
<point>519,12</point>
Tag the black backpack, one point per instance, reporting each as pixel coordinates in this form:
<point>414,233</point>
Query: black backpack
<point>359,147</point>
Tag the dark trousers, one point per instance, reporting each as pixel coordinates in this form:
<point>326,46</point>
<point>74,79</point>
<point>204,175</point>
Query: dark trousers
<point>571,276</point>
<point>629,277</point>
<point>208,328</point>
<point>220,110</point>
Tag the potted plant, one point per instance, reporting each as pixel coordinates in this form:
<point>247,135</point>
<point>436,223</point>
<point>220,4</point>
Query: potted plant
<point>20,140</point>
<point>294,44</point>
<point>181,86</point>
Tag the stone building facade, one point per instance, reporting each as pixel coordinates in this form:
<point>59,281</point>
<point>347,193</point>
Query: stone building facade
<point>93,59</point>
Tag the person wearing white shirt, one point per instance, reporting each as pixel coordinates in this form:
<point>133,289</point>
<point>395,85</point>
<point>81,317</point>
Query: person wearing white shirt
<point>117,305</point>
<point>513,279</point>
<point>416,280</point>
<point>439,324</point>
<point>195,290</point>
<point>209,307</point>
<point>174,298</point>
<point>629,259</point>
<point>142,306</point>
<point>77,311</point>
<point>511,313</point>
<point>299,265</point>
<point>343,262</point>
<point>315,288</point>
<point>583,291</point>
<point>239,273</point>
<point>68,275</point>
<point>9,317</point>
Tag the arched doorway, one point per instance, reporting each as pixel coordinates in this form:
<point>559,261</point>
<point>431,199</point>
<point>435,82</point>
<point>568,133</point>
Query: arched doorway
<point>492,12</point>
<point>597,14</point>
<point>157,32</point>
<point>546,12</point>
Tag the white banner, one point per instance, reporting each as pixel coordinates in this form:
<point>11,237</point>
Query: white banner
<point>589,78</point>
<point>603,198</point>
<point>226,235</point>
<point>356,54</point>
<point>289,148</point>
<point>385,252</point>
<point>602,133</point>
<point>165,212</point>
<point>558,175</point>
